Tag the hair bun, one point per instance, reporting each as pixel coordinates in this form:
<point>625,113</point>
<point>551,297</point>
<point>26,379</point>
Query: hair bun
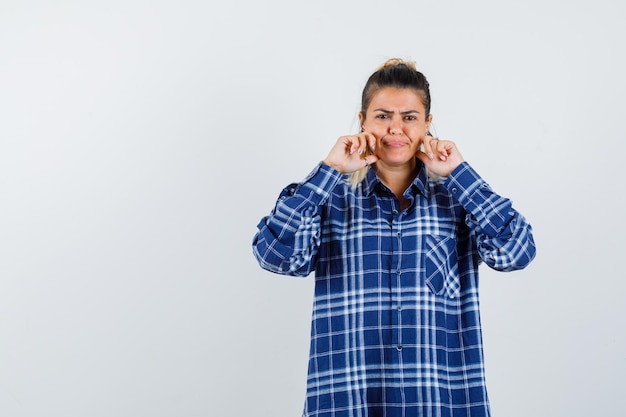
<point>392,62</point>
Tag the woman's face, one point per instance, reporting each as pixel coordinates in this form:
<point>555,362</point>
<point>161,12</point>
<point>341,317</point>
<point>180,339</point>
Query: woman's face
<point>397,118</point>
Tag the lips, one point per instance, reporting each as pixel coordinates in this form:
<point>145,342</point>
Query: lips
<point>394,143</point>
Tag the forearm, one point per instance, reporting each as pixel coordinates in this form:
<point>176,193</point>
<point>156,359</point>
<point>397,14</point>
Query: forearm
<point>503,236</point>
<point>287,240</point>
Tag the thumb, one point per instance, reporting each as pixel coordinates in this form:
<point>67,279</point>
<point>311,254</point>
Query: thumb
<point>371,159</point>
<point>422,156</point>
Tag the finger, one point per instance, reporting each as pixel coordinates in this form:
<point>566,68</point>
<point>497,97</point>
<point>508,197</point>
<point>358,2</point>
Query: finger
<point>430,147</point>
<point>437,147</point>
<point>370,141</point>
<point>352,144</point>
<point>371,159</point>
<point>424,157</point>
<point>363,143</point>
<point>444,149</point>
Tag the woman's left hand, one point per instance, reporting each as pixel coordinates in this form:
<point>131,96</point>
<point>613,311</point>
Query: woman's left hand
<point>440,156</point>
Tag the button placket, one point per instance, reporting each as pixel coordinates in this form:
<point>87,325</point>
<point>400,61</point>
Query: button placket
<point>397,292</point>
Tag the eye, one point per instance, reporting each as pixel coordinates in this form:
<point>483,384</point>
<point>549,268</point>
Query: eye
<point>382,116</point>
<point>410,117</point>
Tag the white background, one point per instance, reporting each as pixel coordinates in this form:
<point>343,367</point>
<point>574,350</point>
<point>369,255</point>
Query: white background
<point>142,141</point>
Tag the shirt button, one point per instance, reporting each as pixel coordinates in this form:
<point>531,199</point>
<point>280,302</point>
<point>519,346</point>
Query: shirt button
<point>399,234</point>
<point>454,190</point>
<point>399,308</point>
<point>395,212</point>
<point>399,348</point>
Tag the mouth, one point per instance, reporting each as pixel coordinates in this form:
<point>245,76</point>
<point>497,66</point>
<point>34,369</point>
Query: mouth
<point>394,143</point>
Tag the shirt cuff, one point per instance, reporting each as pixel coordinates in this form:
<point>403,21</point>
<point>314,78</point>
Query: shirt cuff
<point>463,181</point>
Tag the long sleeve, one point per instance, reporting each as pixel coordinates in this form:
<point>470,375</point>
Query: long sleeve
<point>288,239</point>
<point>503,236</point>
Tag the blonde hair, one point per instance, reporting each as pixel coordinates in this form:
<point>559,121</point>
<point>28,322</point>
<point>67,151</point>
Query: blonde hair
<point>394,72</point>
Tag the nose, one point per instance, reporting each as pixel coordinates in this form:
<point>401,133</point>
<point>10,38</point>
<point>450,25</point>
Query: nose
<point>396,127</point>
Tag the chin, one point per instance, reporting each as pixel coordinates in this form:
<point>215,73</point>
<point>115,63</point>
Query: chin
<point>397,159</point>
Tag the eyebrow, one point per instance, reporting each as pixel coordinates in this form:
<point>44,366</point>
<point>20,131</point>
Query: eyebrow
<point>402,112</point>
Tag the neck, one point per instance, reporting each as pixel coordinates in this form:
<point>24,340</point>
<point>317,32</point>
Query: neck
<point>397,178</point>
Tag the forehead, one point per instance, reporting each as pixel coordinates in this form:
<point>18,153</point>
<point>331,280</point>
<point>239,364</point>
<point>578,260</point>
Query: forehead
<point>402,99</point>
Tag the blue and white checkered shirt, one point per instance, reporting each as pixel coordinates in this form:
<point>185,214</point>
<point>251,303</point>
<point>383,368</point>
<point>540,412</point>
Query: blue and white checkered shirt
<point>396,325</point>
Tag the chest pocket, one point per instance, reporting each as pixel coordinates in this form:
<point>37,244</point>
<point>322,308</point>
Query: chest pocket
<point>441,266</point>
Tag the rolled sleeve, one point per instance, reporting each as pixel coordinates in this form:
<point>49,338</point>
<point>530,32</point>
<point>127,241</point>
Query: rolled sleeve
<point>489,210</point>
<point>288,239</point>
<point>503,236</point>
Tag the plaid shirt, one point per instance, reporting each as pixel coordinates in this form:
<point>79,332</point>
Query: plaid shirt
<point>396,325</point>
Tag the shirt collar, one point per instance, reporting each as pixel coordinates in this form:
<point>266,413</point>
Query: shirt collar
<point>419,184</point>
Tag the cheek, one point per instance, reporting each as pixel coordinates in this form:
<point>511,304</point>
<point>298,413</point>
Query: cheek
<point>418,132</point>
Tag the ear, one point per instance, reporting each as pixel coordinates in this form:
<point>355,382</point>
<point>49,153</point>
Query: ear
<point>361,120</point>
<point>429,120</point>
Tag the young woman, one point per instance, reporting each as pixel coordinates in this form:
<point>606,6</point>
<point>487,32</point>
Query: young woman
<point>395,225</point>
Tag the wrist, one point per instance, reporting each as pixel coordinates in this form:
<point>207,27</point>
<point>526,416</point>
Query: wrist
<point>331,165</point>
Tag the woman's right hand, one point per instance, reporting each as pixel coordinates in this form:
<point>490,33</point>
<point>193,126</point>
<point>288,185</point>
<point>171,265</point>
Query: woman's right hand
<point>350,153</point>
